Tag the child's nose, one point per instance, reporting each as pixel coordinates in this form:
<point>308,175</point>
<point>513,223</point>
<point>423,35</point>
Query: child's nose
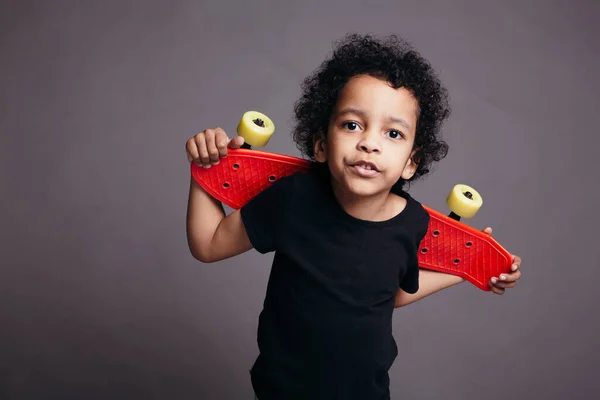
<point>369,143</point>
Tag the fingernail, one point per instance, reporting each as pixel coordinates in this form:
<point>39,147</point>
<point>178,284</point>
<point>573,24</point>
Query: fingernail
<point>206,166</point>
<point>494,280</point>
<point>514,267</point>
<point>502,277</point>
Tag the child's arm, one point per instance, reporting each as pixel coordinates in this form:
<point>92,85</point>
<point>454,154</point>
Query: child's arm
<point>430,282</point>
<point>211,235</point>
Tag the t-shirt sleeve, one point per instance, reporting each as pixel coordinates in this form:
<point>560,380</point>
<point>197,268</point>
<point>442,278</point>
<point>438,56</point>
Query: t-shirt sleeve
<point>264,215</point>
<point>410,282</point>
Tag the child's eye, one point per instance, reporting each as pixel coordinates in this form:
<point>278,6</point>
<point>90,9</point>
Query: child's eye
<point>350,126</point>
<point>395,134</point>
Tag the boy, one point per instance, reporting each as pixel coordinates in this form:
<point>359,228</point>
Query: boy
<point>345,235</point>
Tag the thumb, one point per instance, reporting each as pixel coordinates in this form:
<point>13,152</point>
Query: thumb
<point>236,142</point>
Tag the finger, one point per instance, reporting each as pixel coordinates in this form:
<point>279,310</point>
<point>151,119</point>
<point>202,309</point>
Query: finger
<point>203,158</point>
<point>507,277</point>
<point>211,146</point>
<point>192,149</point>
<point>495,289</point>
<point>221,141</point>
<point>516,263</point>
<point>512,277</point>
<point>236,142</point>
<point>504,285</point>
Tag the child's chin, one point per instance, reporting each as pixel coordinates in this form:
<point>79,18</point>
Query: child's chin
<point>365,188</point>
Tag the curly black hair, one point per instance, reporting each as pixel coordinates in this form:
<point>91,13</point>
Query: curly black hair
<point>392,59</point>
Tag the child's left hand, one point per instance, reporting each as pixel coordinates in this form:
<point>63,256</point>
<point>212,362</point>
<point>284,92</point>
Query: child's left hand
<point>500,283</point>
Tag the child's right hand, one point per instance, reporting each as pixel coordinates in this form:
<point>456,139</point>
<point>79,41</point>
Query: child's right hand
<point>209,146</point>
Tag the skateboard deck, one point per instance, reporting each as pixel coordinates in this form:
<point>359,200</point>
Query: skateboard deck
<point>449,246</point>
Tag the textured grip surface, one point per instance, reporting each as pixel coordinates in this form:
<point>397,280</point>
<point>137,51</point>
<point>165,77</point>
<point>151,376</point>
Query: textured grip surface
<point>245,173</point>
<point>458,249</point>
<point>449,245</point>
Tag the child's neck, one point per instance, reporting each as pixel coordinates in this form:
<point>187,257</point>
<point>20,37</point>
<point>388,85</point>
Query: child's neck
<point>376,208</point>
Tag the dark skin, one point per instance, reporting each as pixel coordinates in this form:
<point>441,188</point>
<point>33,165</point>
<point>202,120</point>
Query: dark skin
<point>499,285</point>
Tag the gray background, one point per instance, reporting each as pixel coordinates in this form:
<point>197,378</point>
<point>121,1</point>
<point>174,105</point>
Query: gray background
<point>100,297</point>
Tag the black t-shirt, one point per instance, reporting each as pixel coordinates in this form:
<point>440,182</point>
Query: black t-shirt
<point>325,331</point>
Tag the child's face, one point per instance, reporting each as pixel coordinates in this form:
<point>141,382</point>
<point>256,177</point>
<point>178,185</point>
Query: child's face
<point>371,123</point>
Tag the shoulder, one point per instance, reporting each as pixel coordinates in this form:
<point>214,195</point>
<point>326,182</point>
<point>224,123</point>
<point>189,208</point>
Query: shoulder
<point>305,184</point>
<point>295,183</point>
<point>284,184</point>
<point>419,210</point>
<point>416,213</point>
<point>289,189</point>
<point>413,207</point>
<point>271,196</point>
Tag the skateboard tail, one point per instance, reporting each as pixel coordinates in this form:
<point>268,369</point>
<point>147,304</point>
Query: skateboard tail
<point>458,249</point>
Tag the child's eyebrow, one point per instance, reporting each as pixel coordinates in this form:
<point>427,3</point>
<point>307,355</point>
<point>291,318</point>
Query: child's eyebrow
<point>362,114</point>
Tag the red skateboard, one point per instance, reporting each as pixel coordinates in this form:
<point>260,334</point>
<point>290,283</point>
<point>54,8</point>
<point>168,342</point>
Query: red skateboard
<point>449,246</point>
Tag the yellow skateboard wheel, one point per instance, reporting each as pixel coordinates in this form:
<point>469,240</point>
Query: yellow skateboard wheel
<point>464,201</point>
<point>256,128</point>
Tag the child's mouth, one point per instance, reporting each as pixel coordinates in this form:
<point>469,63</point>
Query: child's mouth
<point>366,170</point>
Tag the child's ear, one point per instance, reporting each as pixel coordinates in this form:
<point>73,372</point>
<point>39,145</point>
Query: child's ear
<point>320,149</point>
<point>411,165</point>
